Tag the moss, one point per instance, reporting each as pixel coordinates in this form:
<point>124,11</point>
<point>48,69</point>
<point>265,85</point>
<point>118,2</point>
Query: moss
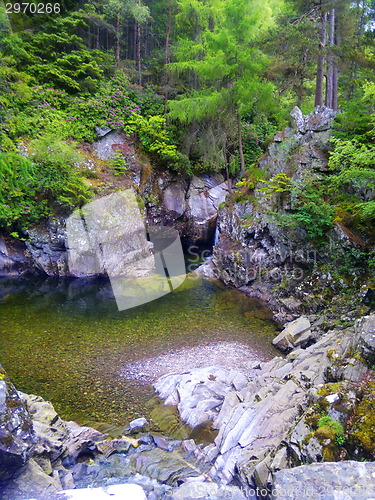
<point>330,453</point>
<point>333,356</point>
<point>363,430</point>
<point>325,432</point>
<point>328,389</point>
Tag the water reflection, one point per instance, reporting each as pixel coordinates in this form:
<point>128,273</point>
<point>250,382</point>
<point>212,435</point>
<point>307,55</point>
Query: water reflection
<point>66,340</point>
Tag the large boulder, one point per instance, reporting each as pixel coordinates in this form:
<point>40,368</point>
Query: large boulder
<point>32,481</point>
<point>295,334</point>
<point>347,480</point>
<point>17,437</point>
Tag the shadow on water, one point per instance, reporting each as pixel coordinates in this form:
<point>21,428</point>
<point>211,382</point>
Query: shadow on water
<point>65,340</point>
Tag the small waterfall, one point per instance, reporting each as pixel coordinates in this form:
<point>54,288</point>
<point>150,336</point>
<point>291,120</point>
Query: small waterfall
<point>217,235</point>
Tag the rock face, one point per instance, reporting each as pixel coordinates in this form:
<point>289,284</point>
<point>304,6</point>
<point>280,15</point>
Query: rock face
<point>17,436</point>
<point>46,248</point>
<point>347,480</point>
<point>13,260</point>
<point>271,260</point>
<point>190,205</point>
<point>204,196</point>
<point>35,443</point>
<point>365,328</point>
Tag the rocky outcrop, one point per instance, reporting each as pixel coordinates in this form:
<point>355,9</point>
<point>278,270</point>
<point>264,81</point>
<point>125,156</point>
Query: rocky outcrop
<point>13,259</point>
<point>36,445</point>
<point>258,251</point>
<point>265,418</point>
<point>17,436</point>
<point>295,334</point>
<point>46,248</point>
<point>365,329</point>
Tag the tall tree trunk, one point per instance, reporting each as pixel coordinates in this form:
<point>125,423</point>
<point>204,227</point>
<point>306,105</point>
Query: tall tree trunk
<point>97,46</point>
<point>335,79</point>
<point>139,60</point>
<point>118,37</point>
<point>320,65</point>
<point>330,60</point>
<point>167,60</point>
<point>240,147</point>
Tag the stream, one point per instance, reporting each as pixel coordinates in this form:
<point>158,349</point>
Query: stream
<point>65,340</point>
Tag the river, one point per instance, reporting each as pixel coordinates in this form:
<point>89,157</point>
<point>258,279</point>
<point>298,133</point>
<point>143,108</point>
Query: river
<point>65,340</point>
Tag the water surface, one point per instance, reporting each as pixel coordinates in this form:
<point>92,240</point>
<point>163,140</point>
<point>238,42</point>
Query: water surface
<point>65,340</point>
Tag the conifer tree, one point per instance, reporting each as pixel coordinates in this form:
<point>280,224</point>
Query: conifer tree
<point>220,52</point>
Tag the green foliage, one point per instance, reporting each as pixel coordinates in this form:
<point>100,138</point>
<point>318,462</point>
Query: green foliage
<point>254,175</point>
<point>330,429</point>
<point>17,190</point>
<point>309,210</point>
<point>157,141</point>
<point>279,183</point>
<point>347,262</point>
<point>57,174</point>
<point>326,420</point>
<point>366,211</point>
<point>29,185</point>
<point>354,173</point>
<point>118,163</point>
<point>255,138</point>
<point>217,51</point>
<point>314,215</point>
<point>351,155</point>
<point>57,56</point>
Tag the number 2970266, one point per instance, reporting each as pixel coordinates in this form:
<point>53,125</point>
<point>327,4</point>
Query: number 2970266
<point>32,8</point>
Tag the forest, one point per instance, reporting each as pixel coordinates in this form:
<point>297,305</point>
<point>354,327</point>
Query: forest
<point>202,85</point>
